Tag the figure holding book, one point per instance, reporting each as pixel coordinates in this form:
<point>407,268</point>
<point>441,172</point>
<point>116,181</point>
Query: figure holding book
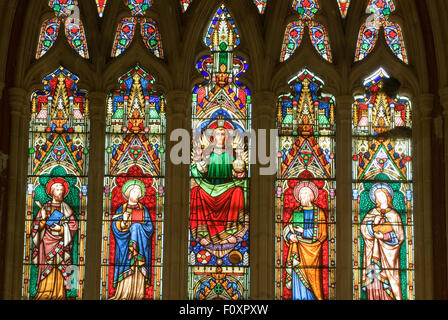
<point>133,231</point>
<point>54,229</point>
<point>304,234</point>
<point>383,234</point>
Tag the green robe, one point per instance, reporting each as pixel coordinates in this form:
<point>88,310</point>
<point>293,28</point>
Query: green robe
<point>219,177</point>
<point>220,168</point>
<point>218,202</point>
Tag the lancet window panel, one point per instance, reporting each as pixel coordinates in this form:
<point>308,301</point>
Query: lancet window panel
<point>220,178</point>
<point>56,193</point>
<point>134,192</point>
<point>305,195</point>
<point>383,225</point>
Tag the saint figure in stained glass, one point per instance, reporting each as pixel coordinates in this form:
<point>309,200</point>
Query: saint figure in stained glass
<point>382,193</point>
<point>55,224</point>
<point>134,190</point>
<point>219,215</point>
<point>305,195</point>
<point>217,218</point>
<point>133,231</point>
<point>304,234</point>
<point>53,234</point>
<point>383,234</point>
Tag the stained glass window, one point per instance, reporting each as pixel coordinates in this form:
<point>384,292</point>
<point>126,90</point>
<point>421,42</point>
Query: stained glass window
<point>134,190</point>
<point>101,5</point>
<point>67,12</point>
<point>261,5</point>
<point>380,11</point>
<point>293,39</point>
<point>317,32</point>
<point>56,197</point>
<point>185,4</point>
<point>219,209</point>
<point>343,7</point>
<point>305,192</point>
<point>148,29</point>
<point>383,254</point>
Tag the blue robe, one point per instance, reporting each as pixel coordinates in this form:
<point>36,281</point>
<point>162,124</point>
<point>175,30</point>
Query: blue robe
<point>139,236</point>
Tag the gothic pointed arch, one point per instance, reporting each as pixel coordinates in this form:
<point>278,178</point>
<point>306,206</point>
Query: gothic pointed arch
<point>219,187</point>
<point>305,192</point>
<point>56,200</point>
<point>383,223</point>
<point>132,246</point>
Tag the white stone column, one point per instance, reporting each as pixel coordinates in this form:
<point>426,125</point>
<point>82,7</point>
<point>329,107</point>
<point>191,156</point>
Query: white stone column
<point>344,246</point>
<point>262,209</point>
<point>15,220</point>
<point>176,225</point>
<point>95,208</point>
